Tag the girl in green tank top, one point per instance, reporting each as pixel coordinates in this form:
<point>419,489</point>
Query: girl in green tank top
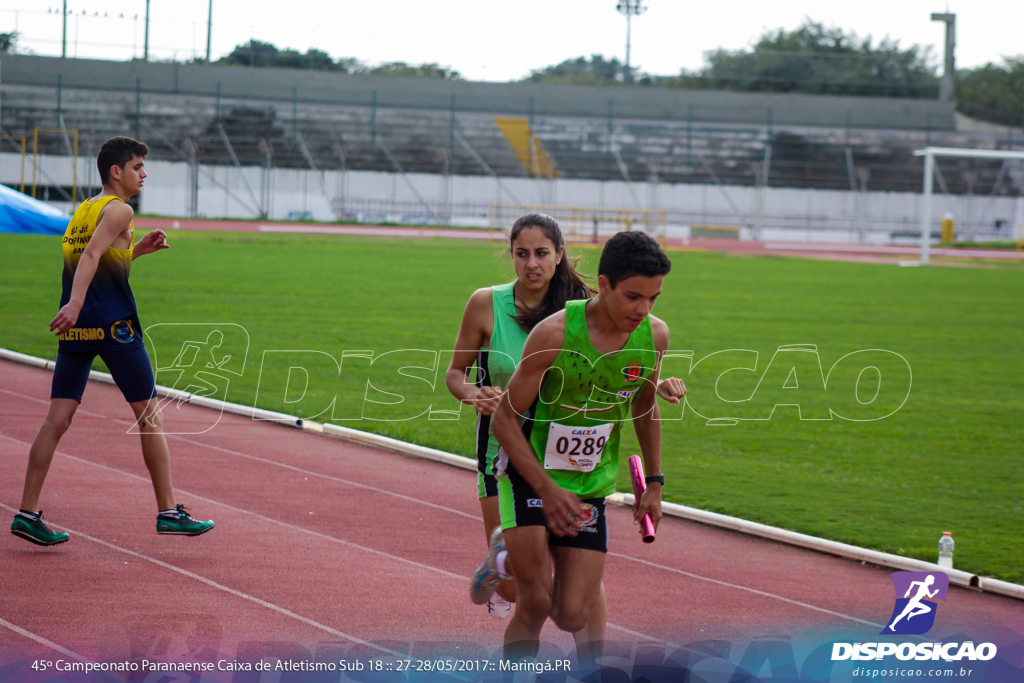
<point>494,328</point>
<point>584,371</point>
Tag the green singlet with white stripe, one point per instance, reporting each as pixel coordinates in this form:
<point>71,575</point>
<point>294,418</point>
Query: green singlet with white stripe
<point>495,365</point>
<point>584,400</point>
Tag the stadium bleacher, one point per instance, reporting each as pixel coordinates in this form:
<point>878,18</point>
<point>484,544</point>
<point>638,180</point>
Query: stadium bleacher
<point>294,119</point>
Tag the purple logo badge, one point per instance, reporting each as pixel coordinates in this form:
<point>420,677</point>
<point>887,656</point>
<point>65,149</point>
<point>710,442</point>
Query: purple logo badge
<point>914,612</point>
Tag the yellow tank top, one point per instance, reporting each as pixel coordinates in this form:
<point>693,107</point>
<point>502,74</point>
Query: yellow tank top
<point>108,317</point>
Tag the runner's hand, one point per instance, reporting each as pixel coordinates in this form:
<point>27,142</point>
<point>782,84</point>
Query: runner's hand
<point>563,511</point>
<point>66,318</point>
<point>671,389</point>
<point>486,400</point>
<point>649,503</point>
<point>152,241</point>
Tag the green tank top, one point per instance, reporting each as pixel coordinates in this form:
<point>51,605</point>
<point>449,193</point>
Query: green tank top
<point>584,399</point>
<point>496,364</point>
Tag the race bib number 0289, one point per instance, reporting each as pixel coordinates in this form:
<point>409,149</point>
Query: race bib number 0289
<point>575,448</point>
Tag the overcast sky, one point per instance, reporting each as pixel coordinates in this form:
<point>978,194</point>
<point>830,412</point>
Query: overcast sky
<point>497,40</point>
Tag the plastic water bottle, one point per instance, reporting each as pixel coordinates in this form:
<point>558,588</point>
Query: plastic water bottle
<point>946,550</point>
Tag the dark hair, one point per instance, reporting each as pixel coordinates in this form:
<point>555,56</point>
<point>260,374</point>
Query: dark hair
<point>118,152</point>
<point>632,253</point>
<point>566,284</point>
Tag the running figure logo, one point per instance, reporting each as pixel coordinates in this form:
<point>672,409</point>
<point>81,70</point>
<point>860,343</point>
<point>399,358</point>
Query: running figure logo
<point>199,359</point>
<point>914,613</point>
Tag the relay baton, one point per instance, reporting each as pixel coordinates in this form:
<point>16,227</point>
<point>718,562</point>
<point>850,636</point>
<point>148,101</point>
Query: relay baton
<point>636,473</point>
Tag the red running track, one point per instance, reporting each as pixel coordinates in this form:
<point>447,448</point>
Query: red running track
<point>324,549</point>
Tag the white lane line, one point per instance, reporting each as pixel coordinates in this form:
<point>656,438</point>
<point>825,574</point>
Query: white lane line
<point>324,476</point>
<point>717,582</point>
<point>746,588</point>
<point>611,554</point>
<point>270,462</point>
<point>332,539</point>
<point>46,402</point>
<point>221,587</point>
<point>458,512</point>
<point>258,516</point>
<point>43,641</point>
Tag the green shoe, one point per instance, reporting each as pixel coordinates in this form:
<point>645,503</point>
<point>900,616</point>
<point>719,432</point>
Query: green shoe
<point>35,531</point>
<point>181,523</point>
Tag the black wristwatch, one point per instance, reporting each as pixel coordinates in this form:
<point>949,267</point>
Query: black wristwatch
<point>655,479</point>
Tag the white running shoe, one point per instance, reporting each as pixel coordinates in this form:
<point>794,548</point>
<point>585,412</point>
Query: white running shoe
<point>486,578</point>
<point>498,607</point>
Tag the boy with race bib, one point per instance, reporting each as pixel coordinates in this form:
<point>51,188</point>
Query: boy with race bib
<point>585,371</point>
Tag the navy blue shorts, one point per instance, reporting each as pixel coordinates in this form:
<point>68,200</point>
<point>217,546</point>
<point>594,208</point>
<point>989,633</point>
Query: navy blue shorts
<point>130,368</point>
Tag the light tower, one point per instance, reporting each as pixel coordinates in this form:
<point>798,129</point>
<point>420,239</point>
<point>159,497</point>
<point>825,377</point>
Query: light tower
<point>64,39</point>
<point>630,8</point>
<point>145,49</point>
<point>209,32</point>
<point>947,87</point>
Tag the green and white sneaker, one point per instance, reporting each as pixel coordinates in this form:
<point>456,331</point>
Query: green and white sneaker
<point>180,523</point>
<point>35,531</point>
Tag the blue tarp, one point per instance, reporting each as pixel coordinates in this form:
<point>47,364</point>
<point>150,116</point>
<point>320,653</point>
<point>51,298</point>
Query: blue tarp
<point>21,213</point>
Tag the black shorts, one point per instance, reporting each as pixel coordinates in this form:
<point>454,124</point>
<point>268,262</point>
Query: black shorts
<point>521,507</point>
<point>130,368</point>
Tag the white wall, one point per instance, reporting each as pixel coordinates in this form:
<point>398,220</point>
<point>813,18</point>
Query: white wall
<point>228,192</point>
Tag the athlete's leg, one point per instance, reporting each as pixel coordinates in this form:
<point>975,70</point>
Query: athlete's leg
<point>70,376</point>
<point>133,374</point>
<point>40,455</point>
<point>528,547</point>
<point>590,638</point>
<point>150,420</point>
<point>492,520</point>
<point>155,452</point>
<point>575,595</point>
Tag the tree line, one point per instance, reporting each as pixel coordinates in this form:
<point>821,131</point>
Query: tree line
<point>814,59</point>
<point>259,54</point>
<point>811,59</point>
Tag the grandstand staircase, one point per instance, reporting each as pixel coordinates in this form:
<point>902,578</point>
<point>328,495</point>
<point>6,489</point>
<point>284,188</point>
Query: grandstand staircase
<point>528,149</point>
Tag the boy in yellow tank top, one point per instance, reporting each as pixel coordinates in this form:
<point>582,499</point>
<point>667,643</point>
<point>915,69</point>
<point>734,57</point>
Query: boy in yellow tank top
<point>98,317</point>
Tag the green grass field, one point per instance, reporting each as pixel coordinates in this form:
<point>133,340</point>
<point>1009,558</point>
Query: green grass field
<point>949,459</point>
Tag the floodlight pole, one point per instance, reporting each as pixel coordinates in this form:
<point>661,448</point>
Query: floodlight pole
<point>209,32</point>
<point>145,48</point>
<point>630,8</point>
<point>946,87</point>
<point>64,38</point>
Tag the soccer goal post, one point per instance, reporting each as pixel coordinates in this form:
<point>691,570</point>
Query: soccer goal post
<point>930,154</point>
